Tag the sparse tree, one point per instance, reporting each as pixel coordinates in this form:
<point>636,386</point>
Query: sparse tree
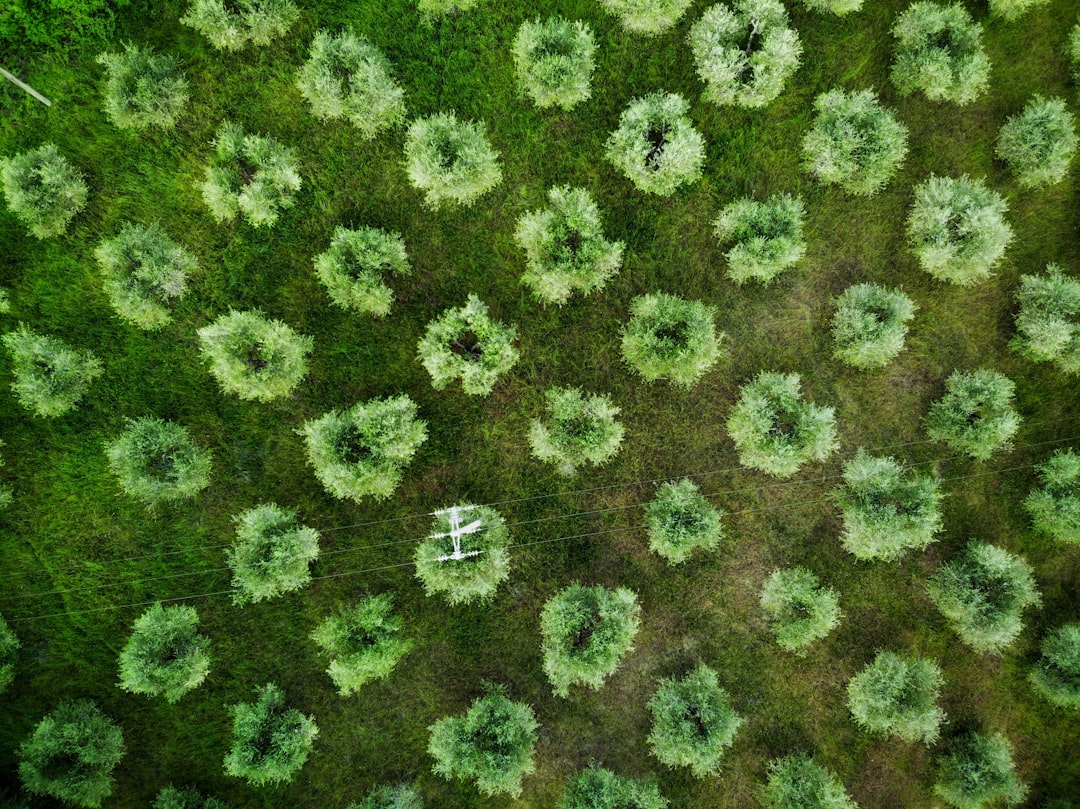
<point>555,59</point>
<point>597,788</point>
<point>255,176</point>
<point>680,520</point>
<point>837,7</point>
<point>646,17</point>
<point>1057,674</point>
<point>43,190</point>
<point>1012,10</point>
<point>1038,143</point>
<point>433,8</point>
<point>9,654</point>
<point>799,609</point>
<point>450,160</point>
<point>467,344</point>
<point>656,145</point>
<point>143,88</point>
<point>767,236</point>
<point>670,338</point>
<point>50,376</point>
<point>364,642</point>
<point>156,461</point>
<point>870,325</point>
<point>270,742</point>
<point>976,415</point>
<point>232,24</point>
<point>165,655</point>
<point>1055,508</point>
<point>271,554</point>
<point>401,796</point>
<point>254,357</point>
<point>580,429</point>
<point>465,556</point>
<point>353,269</point>
<point>799,782</point>
<point>1048,322</point>
<point>939,51</point>
<point>898,695</point>
<point>188,798</point>
<point>976,771</point>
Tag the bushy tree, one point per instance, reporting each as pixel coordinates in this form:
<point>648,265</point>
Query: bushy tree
<point>255,176</point>
<point>1057,674</point>
<point>670,338</point>
<point>976,771</point>
<point>232,24</point>
<point>188,798</point>
<point>50,376</point>
<point>355,265</point>
<point>433,8</point>
<point>143,88</point>
<point>854,142</point>
<point>1055,508</point>
<point>646,17</point>
<point>939,51</point>
<point>270,742</point>
<point>656,145</point>
<point>983,595</point>
<point>1072,51</point>
<point>165,655</point>
<point>391,797</point>
<point>364,642</point>
<point>768,237</point>
<point>693,722</point>
<point>799,609</point>
<point>586,632</point>
<point>156,461</point>
<point>838,7</point>
<point>9,654</point>
<point>347,77</point>
<point>1038,143</point>
<point>71,755</point>
<point>1048,322</point>
<point>271,554</point>
<point>144,272</point>
<point>43,190</point>
<point>254,357</point>
<point>6,494</point>
<point>976,415</point>
<point>957,229</point>
<point>466,344</point>
<point>450,160</point>
<point>491,744</point>
<point>870,325</point>
<point>680,520</point>
<point>565,248</point>
<point>597,788</point>
<point>776,430</point>
<point>1012,10</point>
<point>554,59</point>
<point>799,782</point>
<point>898,695</point>
<point>580,429</point>
<point>469,566</point>
<point>363,450</point>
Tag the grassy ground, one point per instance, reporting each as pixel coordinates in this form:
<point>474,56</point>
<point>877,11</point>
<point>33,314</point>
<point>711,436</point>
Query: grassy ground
<point>70,531</point>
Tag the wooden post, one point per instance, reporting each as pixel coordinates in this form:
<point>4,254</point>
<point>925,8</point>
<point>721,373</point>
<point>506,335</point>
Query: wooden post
<point>26,87</point>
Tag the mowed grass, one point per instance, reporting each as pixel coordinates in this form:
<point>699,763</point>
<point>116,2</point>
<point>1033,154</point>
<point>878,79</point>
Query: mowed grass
<point>73,548</point>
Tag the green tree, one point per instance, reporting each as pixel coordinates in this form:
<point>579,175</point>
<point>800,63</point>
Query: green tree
<point>450,160</point>
<point>271,554</point>
<point>232,24</point>
<point>355,265</point>
<point>799,609</point>
<point>433,8</point>
<point>6,494</point>
<point>270,742</point>
<point>1048,321</point>
<point>364,642</point>
<point>391,797</point>
<point>768,237</point>
<point>646,17</point>
<point>680,519</point>
<point>1012,10</point>
<point>838,7</point>
<point>188,798</point>
<point>580,429</point>
<point>143,88</point>
<point>43,190</point>
<point>1055,508</point>
<point>254,357</point>
<point>165,655</point>
<point>255,176</point>
<point>50,376</point>
<point>156,461</point>
<point>466,344</point>
<point>898,695</point>
<point>1057,674</point>
<point>597,788</point>
<point>799,782</point>
<point>976,771</point>
<point>469,566</point>
<point>656,145</point>
<point>1072,52</point>
<point>939,51</point>
<point>976,415</point>
<point>9,654</point>
<point>58,27</point>
<point>670,338</point>
<point>870,325</point>
<point>1038,143</point>
<point>555,59</point>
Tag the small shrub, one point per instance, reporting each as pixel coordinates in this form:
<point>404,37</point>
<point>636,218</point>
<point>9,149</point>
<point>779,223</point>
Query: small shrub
<point>1039,143</point>
<point>870,325</point>
<point>555,59</point>
<point>165,655</point>
<point>580,429</point>
<point>670,338</point>
<point>1048,322</point>
<point>656,145</point>
<point>768,237</point>
<point>5,301</point>
<point>253,357</point>
<point>433,8</point>
<point>156,461</point>
<point>1072,52</point>
<point>646,17</point>
<point>898,695</point>
<point>466,344</point>
<point>939,51</point>
<point>468,567</point>
<point>854,142</point>
<point>270,742</point>
<point>355,265</point>
<point>232,24</point>
<point>9,654</point>
<point>597,788</point>
<point>1012,10</point>
<point>255,177</point>
<point>1057,674</point>
<point>680,520</point>
<point>364,642</point>
<point>142,88</point>
<point>838,7</point>
<point>50,376</point>
<point>693,722</point>
<point>977,770</point>
<point>450,160</point>
<point>271,554</point>
<point>983,595</point>
<point>189,798</point>
<point>799,609</point>
<point>799,782</point>
<point>43,191</point>
<point>6,496</point>
<point>395,797</point>
<point>976,415</point>
<point>1055,508</point>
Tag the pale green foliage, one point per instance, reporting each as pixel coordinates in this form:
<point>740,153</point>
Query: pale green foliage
<point>142,88</point>
<point>6,496</point>
<point>768,237</point>
<point>1057,674</point>
<point>451,160</point>
<point>898,695</point>
<point>363,450</point>
<point>472,578</point>
<point>870,325</point>
<point>492,744</point>
<point>586,632</point>
<point>693,722</point>
<point>799,609</point>
<point>554,59</point>
<point>364,642</point>
<point>745,53</point>
<point>597,788</point>
<point>354,266</point>
<point>43,191</point>
<point>580,429</point>
<point>188,798</point>
<point>156,461</point>
<point>165,655</point>
<point>433,8</point>
<point>565,248</point>
<point>646,17</point>
<point>976,415</point>
<point>1038,143</point>
<point>253,357</point>
<point>466,344</point>
<point>347,77</point>
<point>1048,322</point>
<point>9,653</point>
<point>271,554</point>
<point>50,376</point>
<point>1072,51</point>
<point>270,742</point>
<point>886,512</point>
<point>854,142</point>
<point>391,797</point>
<point>1055,508</point>
<point>983,595</point>
<point>232,24</point>
<point>255,177</point>
<point>670,338</point>
<point>144,272</point>
<point>680,520</point>
<point>838,7</point>
<point>1012,10</point>
<point>799,782</point>
<point>939,51</point>
<point>656,145</point>
<point>976,771</point>
<point>71,754</point>
<point>5,301</point>
<point>776,430</point>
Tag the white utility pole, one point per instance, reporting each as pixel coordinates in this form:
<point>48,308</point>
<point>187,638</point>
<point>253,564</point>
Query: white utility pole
<point>457,531</point>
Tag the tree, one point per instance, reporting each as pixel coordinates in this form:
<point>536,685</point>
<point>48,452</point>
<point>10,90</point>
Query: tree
<point>670,338</point>
<point>466,344</point>
<point>646,17</point>
<point>347,77</point>
<point>43,190</point>
<point>693,722</point>
<point>271,554</point>
<point>898,695</point>
<point>254,357</point>
<point>854,142</point>
<point>6,495</point>
<point>71,754</point>
<point>565,248</point>
<point>597,788</point>
<point>1048,322</point>
<point>586,632</point>
<point>144,272</point>
<point>9,654</point>
<point>255,177</point>
<point>451,160</point>
<point>768,237</point>
<point>680,520</point>
<point>270,742</point>
<point>189,798</point>
<point>983,595</point>
<point>363,450</point>
<point>465,556</point>
<point>745,53</point>
<point>491,744</point>
<point>976,415</point>
<point>364,642</point>
<point>939,51</point>
<point>1038,143</point>
<point>232,24</point>
<point>837,7</point>
<point>799,609</point>
<point>1055,508</point>
<point>433,8</point>
<point>165,655</point>
<point>391,797</point>
<point>957,229</point>
<point>1072,51</point>
<point>143,88</point>
<point>886,512</point>
<point>1057,675</point>
<point>870,325</point>
<point>50,376</point>
<point>355,265</point>
<point>776,430</point>
<point>977,770</point>
<point>656,145</point>
<point>580,429</point>
<point>1012,10</point>
<point>156,461</point>
<point>555,59</point>
<point>799,782</point>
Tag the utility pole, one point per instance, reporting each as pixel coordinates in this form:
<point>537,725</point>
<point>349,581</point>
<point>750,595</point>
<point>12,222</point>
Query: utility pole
<point>457,531</point>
